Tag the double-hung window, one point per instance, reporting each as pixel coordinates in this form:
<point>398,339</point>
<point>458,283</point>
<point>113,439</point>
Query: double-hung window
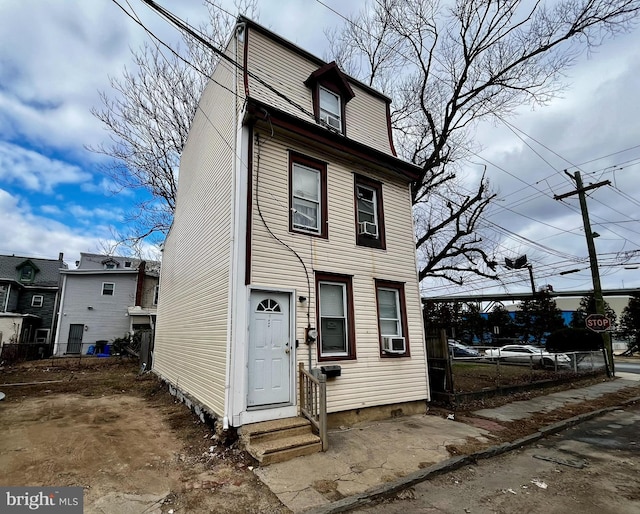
<point>108,288</point>
<point>369,215</point>
<point>336,337</point>
<point>308,195</point>
<point>330,109</point>
<point>37,300</point>
<point>392,318</point>
<point>389,312</point>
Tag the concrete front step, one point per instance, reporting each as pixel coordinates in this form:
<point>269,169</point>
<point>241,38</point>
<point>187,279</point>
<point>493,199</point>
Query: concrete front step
<point>280,440</point>
<point>280,450</point>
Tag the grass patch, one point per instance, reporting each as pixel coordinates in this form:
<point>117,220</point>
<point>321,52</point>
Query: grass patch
<point>477,376</point>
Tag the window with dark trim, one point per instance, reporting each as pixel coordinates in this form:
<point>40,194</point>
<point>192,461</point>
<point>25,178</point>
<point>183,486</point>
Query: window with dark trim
<point>330,91</point>
<point>108,288</point>
<point>307,195</point>
<point>37,300</point>
<point>27,273</point>
<point>156,294</point>
<point>335,317</point>
<point>392,316</point>
<point>330,105</point>
<point>369,214</point>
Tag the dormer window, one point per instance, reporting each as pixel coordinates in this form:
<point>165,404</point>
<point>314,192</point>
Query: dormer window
<point>331,92</point>
<point>27,271</point>
<point>27,274</point>
<point>330,109</point>
<point>110,264</point>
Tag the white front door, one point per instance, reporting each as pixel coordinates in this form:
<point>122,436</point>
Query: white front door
<point>269,349</point>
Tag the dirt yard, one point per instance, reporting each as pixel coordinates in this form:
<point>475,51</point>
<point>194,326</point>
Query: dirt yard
<point>98,424</point>
<point>95,423</point>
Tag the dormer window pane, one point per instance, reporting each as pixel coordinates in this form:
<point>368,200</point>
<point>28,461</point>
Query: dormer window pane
<point>26,274</point>
<point>330,112</point>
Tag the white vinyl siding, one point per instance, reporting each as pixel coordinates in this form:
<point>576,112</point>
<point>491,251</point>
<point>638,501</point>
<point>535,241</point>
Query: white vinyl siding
<point>191,332</point>
<point>285,70</point>
<point>105,317</point>
<point>405,379</point>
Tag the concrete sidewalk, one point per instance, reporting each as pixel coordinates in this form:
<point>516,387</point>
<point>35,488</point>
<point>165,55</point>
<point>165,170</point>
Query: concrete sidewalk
<point>386,456</point>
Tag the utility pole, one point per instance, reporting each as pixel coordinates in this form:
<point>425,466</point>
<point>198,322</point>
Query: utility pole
<point>593,259</point>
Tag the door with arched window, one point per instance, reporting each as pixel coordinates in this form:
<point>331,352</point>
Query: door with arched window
<point>269,349</point>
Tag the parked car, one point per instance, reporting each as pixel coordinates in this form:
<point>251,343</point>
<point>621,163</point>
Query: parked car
<point>457,349</point>
<point>526,354</point>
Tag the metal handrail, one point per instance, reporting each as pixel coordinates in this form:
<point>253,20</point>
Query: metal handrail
<point>313,402</point>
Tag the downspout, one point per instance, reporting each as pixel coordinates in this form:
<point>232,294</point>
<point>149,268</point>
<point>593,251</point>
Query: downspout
<point>57,339</point>
<point>232,261</point>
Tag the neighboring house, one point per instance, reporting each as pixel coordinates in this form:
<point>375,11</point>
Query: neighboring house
<point>29,295</point>
<point>293,225</point>
<point>104,298</point>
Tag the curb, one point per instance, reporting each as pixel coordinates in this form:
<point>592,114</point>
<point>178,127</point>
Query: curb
<point>383,491</point>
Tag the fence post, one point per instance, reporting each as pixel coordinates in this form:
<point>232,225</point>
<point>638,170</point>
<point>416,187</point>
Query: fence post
<point>323,412</point>
<point>575,362</point>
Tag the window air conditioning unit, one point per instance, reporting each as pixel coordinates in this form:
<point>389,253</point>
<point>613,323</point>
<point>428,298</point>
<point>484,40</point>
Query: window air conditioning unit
<point>394,344</point>
<point>368,229</point>
<point>331,121</point>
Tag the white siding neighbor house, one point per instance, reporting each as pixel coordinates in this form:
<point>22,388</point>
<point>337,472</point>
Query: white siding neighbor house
<point>292,243</point>
<point>104,298</point>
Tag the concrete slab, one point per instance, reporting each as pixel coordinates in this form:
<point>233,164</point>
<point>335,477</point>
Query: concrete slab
<point>365,456</point>
<point>526,408</point>
<point>383,457</point>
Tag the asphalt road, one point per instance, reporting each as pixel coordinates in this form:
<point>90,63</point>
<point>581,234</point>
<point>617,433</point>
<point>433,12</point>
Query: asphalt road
<point>589,469</point>
<point>627,367</point>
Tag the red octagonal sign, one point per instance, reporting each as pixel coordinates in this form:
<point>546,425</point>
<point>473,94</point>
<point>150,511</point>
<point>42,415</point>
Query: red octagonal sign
<point>598,322</point>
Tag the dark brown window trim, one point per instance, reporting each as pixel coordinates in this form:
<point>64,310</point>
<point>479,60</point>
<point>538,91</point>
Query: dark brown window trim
<point>315,92</point>
<point>398,286</point>
<point>362,240</point>
<point>317,134</point>
<point>390,130</point>
<point>331,78</point>
<point>351,326</point>
<point>295,157</point>
<point>249,221</point>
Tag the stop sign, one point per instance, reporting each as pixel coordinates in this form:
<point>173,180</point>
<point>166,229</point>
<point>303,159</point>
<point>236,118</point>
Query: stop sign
<point>598,322</point>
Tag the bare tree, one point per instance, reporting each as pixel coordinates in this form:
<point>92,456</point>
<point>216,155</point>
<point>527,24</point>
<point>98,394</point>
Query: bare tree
<point>148,113</point>
<point>449,65</point>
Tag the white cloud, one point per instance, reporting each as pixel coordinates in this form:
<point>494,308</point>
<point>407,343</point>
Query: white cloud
<point>26,233</point>
<point>86,216</point>
<point>36,172</point>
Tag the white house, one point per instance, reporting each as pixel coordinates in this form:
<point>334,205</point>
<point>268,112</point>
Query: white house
<point>104,298</point>
<point>292,243</point>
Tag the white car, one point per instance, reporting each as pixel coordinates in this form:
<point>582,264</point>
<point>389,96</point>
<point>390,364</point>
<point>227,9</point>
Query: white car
<point>527,354</point>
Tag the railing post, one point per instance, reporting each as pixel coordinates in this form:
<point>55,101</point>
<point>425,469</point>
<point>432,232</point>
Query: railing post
<point>323,412</point>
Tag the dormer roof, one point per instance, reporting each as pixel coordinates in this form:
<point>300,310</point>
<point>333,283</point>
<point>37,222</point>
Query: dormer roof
<point>330,75</point>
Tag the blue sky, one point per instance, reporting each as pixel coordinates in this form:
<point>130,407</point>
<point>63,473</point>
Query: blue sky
<point>56,56</point>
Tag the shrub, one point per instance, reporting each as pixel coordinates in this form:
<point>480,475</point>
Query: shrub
<point>573,340</point>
